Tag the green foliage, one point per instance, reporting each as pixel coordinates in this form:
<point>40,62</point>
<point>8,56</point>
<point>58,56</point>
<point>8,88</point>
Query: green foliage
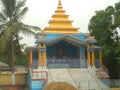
<point>100,27</point>
<point>117,14</point>
<point>21,59</point>
<point>4,58</point>
<point>103,25</point>
<point>11,14</point>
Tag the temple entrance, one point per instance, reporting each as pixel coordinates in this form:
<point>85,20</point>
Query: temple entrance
<point>60,52</point>
<point>63,55</point>
<point>63,50</point>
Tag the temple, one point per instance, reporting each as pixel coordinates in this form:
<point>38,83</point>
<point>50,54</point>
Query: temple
<point>61,45</point>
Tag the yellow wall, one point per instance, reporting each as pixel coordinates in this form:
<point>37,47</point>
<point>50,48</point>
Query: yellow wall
<point>5,79</point>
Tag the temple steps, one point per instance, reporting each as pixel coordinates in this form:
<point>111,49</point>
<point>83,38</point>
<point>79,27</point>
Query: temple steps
<point>79,74</point>
<point>80,78</point>
<point>68,74</point>
<point>59,75</point>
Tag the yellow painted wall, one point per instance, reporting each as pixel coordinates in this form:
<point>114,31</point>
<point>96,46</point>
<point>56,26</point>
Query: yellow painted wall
<point>5,79</point>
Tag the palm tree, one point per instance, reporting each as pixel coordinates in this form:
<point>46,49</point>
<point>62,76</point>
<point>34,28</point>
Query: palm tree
<point>11,14</point>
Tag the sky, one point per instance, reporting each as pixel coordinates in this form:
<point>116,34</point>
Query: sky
<point>80,11</point>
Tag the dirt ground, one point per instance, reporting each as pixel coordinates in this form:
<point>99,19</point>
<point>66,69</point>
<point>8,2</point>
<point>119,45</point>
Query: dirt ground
<point>60,86</point>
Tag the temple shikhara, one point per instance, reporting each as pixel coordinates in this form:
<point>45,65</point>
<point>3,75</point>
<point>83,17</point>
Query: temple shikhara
<point>61,46</point>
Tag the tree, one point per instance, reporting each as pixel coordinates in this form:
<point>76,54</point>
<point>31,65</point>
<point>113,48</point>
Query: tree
<point>11,14</point>
<point>103,25</point>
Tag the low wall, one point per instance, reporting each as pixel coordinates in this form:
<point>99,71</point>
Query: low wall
<point>5,78</point>
<point>114,88</point>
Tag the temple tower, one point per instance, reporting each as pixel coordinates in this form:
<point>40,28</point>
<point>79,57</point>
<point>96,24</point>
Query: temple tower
<point>60,22</point>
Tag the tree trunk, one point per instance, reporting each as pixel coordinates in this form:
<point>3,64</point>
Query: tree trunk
<point>11,52</point>
<point>13,78</point>
<point>12,61</point>
<point>9,59</point>
<point>119,72</point>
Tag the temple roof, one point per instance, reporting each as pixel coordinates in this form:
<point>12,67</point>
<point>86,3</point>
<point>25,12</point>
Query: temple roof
<point>65,37</point>
<point>60,22</point>
<point>95,49</point>
<point>78,39</point>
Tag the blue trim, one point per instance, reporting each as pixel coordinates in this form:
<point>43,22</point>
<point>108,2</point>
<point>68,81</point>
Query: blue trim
<point>52,36</point>
<point>80,36</point>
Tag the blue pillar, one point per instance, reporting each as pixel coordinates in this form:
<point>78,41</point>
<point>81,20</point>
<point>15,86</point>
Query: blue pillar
<point>83,61</point>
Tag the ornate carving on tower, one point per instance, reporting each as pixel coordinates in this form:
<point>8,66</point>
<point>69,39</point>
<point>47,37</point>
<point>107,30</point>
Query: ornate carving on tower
<point>60,22</point>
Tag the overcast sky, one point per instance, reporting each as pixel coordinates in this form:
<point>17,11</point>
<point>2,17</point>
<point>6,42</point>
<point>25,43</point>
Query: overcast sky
<point>80,11</point>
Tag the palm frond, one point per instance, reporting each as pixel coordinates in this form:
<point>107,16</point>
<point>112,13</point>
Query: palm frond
<point>18,27</point>
<point>2,29</point>
<point>28,30</point>
<point>9,7</point>
<point>22,46</point>
<point>20,4</point>
<point>19,15</point>
<point>34,28</point>
<point>20,10</point>
<point>2,17</point>
<point>2,26</point>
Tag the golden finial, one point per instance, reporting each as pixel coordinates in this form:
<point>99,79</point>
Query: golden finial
<point>59,2</point>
